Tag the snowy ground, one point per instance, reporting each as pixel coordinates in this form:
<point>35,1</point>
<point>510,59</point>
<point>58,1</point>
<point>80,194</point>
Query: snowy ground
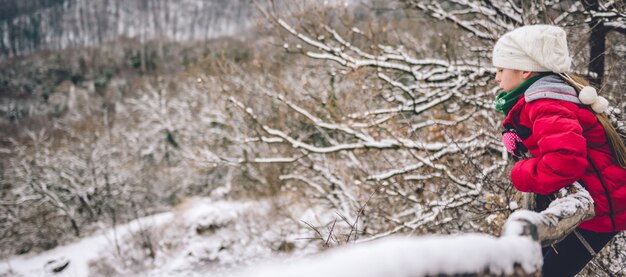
<point>78,254</point>
<point>399,256</point>
<point>204,237</point>
<point>201,237</point>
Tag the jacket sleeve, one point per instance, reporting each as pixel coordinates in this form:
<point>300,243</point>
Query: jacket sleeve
<point>562,148</point>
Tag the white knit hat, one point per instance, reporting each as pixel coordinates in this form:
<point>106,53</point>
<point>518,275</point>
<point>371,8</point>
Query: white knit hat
<point>537,48</point>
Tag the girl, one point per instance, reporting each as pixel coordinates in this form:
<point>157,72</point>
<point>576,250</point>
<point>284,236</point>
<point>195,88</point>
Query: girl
<point>562,124</point>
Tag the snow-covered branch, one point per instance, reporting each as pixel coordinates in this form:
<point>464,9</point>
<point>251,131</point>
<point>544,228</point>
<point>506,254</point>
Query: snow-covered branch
<point>572,206</point>
<point>517,252</point>
<point>427,74</point>
<point>422,256</point>
<point>482,21</point>
<point>364,142</point>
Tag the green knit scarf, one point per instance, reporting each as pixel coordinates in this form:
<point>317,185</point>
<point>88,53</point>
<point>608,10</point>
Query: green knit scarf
<point>506,100</point>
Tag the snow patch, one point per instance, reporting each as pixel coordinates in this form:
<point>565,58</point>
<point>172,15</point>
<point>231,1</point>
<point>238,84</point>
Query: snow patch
<point>405,256</point>
<point>78,254</point>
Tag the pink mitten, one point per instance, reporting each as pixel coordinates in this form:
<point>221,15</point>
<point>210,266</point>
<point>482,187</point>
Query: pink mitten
<point>513,143</point>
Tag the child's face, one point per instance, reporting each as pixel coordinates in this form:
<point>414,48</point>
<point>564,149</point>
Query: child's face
<point>509,78</point>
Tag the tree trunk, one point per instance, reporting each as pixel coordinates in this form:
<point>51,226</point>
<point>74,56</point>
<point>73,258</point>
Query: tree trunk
<point>597,47</point>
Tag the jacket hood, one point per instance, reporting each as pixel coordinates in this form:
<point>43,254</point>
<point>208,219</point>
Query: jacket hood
<point>552,87</point>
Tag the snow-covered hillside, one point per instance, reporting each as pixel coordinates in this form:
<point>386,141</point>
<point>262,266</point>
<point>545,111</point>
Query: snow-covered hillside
<point>79,23</point>
<point>76,23</point>
<point>224,238</point>
<point>200,237</point>
<point>78,254</point>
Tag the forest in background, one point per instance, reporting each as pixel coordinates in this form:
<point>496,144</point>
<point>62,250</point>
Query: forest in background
<point>379,112</point>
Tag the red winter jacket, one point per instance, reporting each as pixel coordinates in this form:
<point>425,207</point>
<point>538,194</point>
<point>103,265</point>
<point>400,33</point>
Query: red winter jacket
<point>563,136</point>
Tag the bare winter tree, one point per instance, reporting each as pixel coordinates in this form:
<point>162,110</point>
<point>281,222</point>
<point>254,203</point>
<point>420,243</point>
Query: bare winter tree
<point>109,165</point>
<point>489,19</point>
<point>393,141</point>
<point>399,142</point>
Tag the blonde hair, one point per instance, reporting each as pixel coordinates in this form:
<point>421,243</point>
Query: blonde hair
<point>613,137</point>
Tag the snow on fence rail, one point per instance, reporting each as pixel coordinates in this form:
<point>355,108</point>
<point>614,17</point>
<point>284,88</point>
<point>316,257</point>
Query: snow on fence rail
<point>517,252</point>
